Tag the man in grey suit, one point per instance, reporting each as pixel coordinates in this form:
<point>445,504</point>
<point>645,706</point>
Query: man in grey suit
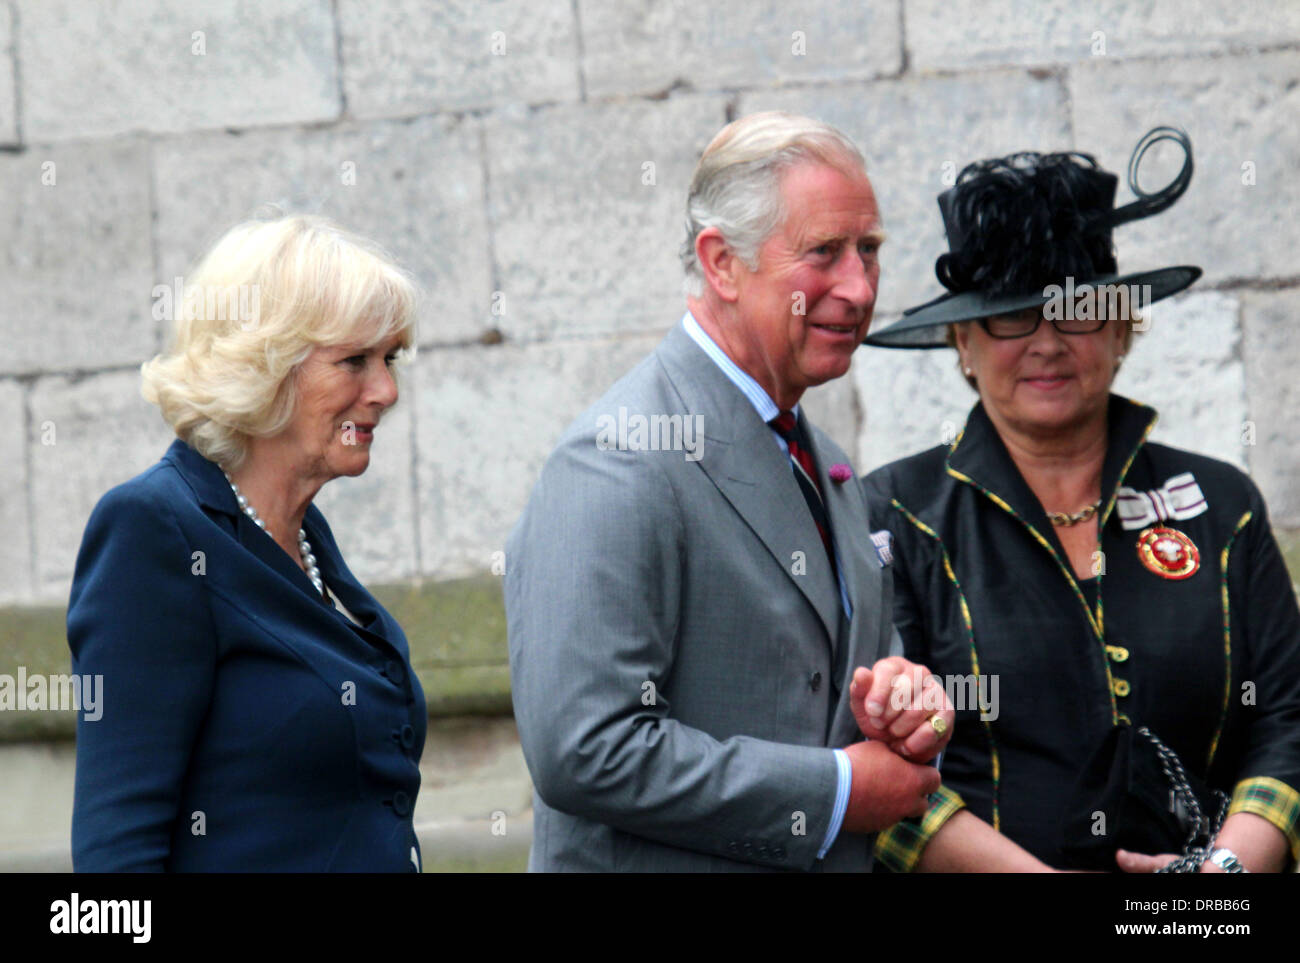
<point>692,583</point>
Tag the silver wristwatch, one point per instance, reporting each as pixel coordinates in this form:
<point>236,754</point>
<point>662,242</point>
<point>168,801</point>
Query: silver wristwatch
<point>1227,861</point>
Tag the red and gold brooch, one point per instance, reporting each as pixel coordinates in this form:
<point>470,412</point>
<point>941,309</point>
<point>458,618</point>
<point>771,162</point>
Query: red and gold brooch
<point>1168,552</point>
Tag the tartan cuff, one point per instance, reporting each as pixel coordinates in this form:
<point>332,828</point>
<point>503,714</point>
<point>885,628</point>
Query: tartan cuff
<point>899,847</point>
<point>1273,800</point>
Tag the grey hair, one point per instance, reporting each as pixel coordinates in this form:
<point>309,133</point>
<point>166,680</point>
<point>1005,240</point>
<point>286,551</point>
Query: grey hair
<point>737,183</point>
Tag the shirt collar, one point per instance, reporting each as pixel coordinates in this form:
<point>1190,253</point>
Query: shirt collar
<point>979,458</point>
<point>760,399</point>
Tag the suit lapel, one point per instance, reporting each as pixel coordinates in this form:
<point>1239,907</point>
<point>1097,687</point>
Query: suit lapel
<point>849,524</point>
<point>860,641</point>
<point>741,457</point>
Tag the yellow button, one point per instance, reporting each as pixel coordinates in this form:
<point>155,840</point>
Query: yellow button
<point>1121,718</point>
<point>1121,687</point>
<point>1117,653</point>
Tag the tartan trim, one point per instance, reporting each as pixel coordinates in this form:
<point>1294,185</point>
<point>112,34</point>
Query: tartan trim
<point>1092,617</point>
<point>1096,620</point>
<point>1104,517</point>
<point>1109,507</point>
<point>899,847</point>
<point>1273,800</point>
<point>1227,635</point>
<point>974,656</point>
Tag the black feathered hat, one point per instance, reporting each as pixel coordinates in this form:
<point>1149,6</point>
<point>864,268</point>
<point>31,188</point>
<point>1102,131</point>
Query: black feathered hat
<point>1021,225</point>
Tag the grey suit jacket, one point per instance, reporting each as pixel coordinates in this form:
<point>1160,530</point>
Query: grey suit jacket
<point>678,652</point>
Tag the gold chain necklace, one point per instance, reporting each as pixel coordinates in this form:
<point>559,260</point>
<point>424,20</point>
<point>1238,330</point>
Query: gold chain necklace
<point>1082,515</point>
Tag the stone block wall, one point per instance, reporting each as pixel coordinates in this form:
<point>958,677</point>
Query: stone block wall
<point>528,162</point>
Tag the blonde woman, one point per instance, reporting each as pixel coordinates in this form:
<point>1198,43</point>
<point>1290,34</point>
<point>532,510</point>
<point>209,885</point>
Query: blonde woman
<point>260,709</point>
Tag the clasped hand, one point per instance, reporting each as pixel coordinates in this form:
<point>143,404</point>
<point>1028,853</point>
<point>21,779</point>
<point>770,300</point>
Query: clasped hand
<point>893,703</point>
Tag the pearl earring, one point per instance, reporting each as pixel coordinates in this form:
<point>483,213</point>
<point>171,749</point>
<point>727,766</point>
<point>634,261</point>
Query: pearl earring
<point>968,371</point>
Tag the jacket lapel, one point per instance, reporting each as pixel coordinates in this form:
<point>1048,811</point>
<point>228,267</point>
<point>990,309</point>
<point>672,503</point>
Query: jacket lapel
<point>849,524</point>
<point>1130,425</point>
<point>213,492</point>
<point>741,457</point>
<point>867,632</point>
<point>341,582</point>
<point>980,459</point>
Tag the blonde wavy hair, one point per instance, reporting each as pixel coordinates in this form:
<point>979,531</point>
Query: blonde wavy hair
<point>267,293</point>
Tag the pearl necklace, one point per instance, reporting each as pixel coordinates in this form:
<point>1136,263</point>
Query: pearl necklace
<point>304,546</point>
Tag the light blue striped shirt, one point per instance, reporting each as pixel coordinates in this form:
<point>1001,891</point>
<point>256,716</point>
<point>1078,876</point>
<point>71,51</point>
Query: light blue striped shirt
<point>767,410</point>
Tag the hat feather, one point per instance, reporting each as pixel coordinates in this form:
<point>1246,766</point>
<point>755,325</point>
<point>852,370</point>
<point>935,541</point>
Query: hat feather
<point>1026,223</point>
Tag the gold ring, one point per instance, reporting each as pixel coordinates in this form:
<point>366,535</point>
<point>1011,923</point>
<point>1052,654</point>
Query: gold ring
<point>939,726</point>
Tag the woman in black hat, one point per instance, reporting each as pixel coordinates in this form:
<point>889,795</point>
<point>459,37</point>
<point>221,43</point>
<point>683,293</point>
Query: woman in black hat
<point>1127,600</point>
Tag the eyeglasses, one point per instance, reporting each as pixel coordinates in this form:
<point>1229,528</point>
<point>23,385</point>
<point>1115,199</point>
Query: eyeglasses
<point>1025,323</point>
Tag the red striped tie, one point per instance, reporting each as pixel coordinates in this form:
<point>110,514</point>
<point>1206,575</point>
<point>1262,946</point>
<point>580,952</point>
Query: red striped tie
<point>805,473</point>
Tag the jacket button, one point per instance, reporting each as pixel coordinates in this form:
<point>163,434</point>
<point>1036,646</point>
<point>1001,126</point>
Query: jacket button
<point>405,736</point>
<point>1121,687</point>
<point>1117,653</point>
<point>779,852</point>
<point>401,803</point>
<point>815,681</point>
<point>394,671</point>
<point>733,848</point>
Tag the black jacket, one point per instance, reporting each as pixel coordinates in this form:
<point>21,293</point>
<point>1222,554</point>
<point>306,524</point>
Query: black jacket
<point>1210,662</point>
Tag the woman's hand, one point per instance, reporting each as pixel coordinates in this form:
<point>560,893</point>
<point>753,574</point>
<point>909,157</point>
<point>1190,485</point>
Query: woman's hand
<point>1260,847</point>
<point>1143,863</point>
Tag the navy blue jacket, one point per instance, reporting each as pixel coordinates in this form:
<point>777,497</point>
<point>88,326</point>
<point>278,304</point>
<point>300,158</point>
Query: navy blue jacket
<point>247,725</point>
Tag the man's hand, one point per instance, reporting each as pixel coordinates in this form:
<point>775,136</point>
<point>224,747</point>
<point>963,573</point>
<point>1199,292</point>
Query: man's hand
<point>893,703</point>
<point>885,788</point>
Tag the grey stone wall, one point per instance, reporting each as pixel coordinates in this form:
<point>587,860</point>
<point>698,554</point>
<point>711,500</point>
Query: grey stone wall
<point>528,161</point>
